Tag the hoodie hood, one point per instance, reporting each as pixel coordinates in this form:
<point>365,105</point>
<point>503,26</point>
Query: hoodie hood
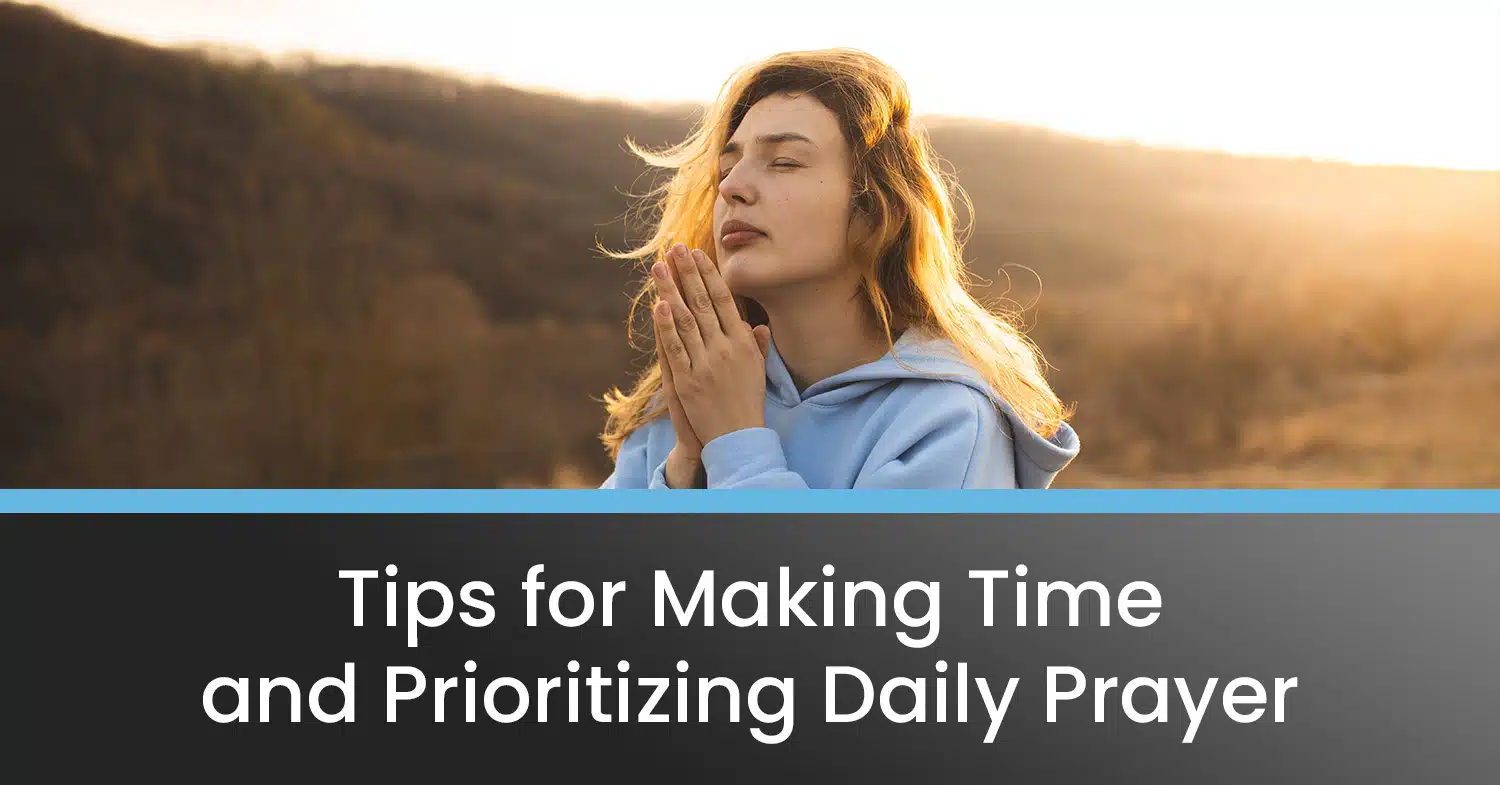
<point>917,355</point>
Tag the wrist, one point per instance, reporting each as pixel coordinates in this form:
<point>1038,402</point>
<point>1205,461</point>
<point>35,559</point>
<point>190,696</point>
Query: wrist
<point>683,470</point>
<point>746,424</point>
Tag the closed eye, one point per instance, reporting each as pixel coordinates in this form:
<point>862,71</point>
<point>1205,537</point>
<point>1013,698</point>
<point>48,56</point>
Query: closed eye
<point>786,164</point>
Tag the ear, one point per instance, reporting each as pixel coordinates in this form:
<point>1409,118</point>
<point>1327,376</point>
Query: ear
<point>763,339</point>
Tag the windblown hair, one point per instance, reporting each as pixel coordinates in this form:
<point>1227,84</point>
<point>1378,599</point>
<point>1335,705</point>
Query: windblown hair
<point>911,256</point>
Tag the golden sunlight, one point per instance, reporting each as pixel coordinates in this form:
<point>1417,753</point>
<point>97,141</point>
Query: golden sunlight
<point>1420,87</point>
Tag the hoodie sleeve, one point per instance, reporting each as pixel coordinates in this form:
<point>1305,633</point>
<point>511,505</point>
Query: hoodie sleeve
<point>955,439</point>
<point>634,467</point>
<point>749,458</point>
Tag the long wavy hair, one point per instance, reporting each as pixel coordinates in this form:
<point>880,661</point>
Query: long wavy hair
<point>913,273</point>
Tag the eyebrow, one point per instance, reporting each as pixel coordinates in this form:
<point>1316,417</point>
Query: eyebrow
<point>776,138</point>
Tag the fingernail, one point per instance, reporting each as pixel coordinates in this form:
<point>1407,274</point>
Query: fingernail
<point>659,270</point>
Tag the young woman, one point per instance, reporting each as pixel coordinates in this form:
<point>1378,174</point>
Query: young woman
<point>812,327</point>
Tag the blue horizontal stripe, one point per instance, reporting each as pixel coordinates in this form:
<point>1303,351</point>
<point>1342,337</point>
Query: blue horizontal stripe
<point>754,502</point>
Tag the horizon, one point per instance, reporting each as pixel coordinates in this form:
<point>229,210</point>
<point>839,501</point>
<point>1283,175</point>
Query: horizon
<point>1426,110</point>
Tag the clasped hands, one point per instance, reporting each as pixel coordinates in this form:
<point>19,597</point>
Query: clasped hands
<point>713,364</point>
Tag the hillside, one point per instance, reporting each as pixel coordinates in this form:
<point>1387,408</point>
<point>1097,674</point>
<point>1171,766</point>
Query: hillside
<point>228,273</point>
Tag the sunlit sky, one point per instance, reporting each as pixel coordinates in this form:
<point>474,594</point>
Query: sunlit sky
<point>1409,83</point>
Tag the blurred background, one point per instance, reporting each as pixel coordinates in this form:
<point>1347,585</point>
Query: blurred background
<point>336,243</point>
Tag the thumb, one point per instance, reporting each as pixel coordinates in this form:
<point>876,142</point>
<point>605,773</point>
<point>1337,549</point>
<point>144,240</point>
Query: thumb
<point>763,339</point>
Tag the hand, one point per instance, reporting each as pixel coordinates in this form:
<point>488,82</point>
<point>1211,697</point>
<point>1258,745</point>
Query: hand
<point>716,361</point>
<point>684,462</point>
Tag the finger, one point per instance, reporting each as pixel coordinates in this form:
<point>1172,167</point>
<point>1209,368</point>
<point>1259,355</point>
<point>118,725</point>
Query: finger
<point>668,386</point>
<point>668,343</point>
<point>673,268</point>
<point>718,291</point>
<point>669,392</point>
<point>763,339</point>
<point>681,427</point>
<point>661,357</point>
<point>740,309</point>
<point>688,330</point>
<point>695,292</point>
<point>668,382</point>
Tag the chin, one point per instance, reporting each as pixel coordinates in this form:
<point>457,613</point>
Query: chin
<point>747,270</point>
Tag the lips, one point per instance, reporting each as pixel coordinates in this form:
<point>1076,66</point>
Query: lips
<point>735,233</point>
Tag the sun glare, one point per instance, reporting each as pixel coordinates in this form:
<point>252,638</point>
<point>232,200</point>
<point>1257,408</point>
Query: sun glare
<point>1421,88</point>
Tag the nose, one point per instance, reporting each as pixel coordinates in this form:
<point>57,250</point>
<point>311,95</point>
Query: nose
<point>736,187</point>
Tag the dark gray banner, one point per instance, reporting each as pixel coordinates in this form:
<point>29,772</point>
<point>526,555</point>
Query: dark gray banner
<point>841,648</point>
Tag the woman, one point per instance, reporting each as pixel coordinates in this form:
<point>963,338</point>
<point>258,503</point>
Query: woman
<point>812,328</point>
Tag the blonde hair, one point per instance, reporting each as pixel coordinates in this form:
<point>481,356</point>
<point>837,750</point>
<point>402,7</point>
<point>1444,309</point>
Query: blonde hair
<point>912,263</point>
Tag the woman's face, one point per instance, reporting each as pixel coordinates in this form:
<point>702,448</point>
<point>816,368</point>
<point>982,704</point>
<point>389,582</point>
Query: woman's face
<point>786,172</point>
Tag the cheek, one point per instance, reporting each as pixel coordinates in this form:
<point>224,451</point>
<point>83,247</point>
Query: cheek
<point>824,215</point>
<point>808,208</point>
<point>719,211</point>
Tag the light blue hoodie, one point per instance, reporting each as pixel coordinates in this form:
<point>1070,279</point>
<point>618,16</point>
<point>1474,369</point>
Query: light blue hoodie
<point>879,425</point>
